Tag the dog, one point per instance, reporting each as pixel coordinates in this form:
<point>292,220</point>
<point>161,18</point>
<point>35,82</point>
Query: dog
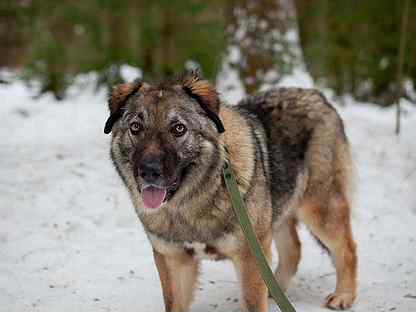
<point>291,157</point>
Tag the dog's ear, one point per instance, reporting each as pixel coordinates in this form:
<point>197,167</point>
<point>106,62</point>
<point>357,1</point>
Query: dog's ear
<point>206,96</point>
<point>117,99</point>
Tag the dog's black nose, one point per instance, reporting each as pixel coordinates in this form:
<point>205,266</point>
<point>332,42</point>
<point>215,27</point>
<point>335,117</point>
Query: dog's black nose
<point>151,171</point>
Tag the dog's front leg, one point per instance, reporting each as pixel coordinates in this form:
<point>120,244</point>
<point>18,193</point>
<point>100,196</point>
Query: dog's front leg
<point>178,276</point>
<point>254,292</point>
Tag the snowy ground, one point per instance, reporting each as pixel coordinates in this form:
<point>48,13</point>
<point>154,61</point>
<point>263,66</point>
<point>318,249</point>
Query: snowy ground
<point>70,241</point>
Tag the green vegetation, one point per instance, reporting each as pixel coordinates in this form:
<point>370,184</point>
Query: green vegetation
<point>60,39</point>
<point>352,46</point>
<point>349,46</point>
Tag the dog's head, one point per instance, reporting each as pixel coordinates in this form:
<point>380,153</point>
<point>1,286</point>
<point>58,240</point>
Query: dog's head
<point>162,134</point>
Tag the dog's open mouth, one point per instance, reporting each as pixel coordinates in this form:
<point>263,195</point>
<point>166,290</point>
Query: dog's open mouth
<point>153,197</point>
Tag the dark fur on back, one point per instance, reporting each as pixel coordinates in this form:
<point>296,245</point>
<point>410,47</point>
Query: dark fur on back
<point>289,117</point>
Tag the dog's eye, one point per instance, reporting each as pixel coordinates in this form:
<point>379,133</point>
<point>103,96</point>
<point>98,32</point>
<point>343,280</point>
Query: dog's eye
<point>178,129</point>
<point>135,128</point>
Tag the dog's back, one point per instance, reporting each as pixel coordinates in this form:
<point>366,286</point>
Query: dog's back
<point>307,145</point>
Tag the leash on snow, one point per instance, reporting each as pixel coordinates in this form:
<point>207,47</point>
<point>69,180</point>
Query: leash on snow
<point>241,213</point>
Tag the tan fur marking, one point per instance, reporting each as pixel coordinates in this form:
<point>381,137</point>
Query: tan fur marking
<point>239,142</point>
<point>164,279</point>
<point>120,93</point>
<point>288,247</point>
<point>253,289</point>
<point>332,227</point>
<point>178,277</point>
<point>205,91</point>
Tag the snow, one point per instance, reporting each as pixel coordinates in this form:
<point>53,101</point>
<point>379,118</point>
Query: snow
<point>70,240</point>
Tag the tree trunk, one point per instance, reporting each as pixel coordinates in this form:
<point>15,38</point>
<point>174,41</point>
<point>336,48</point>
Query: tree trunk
<point>400,91</point>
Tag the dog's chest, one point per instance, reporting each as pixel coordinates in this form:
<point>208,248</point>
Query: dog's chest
<point>202,251</point>
<point>218,249</point>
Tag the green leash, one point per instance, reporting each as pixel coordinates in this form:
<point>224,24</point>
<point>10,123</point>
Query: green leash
<point>242,216</point>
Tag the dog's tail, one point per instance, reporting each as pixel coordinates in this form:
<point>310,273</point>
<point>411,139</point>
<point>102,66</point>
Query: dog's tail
<point>328,157</point>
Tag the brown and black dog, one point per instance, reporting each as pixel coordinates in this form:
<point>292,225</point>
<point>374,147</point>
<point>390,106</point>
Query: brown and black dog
<point>291,157</point>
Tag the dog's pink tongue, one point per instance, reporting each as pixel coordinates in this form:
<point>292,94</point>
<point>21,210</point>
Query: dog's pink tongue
<point>153,197</point>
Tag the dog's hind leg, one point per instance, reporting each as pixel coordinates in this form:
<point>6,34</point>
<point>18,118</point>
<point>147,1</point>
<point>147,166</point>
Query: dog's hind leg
<point>289,249</point>
<point>178,276</point>
<point>331,226</point>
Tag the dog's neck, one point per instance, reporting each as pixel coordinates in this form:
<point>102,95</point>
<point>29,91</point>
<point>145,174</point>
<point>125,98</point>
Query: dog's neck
<point>240,147</point>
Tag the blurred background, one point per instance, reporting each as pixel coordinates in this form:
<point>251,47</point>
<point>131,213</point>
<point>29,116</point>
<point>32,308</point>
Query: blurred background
<point>69,237</point>
<point>351,47</point>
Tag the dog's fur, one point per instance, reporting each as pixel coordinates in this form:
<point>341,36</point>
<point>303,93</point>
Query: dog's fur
<point>291,157</point>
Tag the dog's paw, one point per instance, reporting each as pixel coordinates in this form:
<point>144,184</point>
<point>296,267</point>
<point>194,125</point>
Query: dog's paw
<point>339,301</point>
